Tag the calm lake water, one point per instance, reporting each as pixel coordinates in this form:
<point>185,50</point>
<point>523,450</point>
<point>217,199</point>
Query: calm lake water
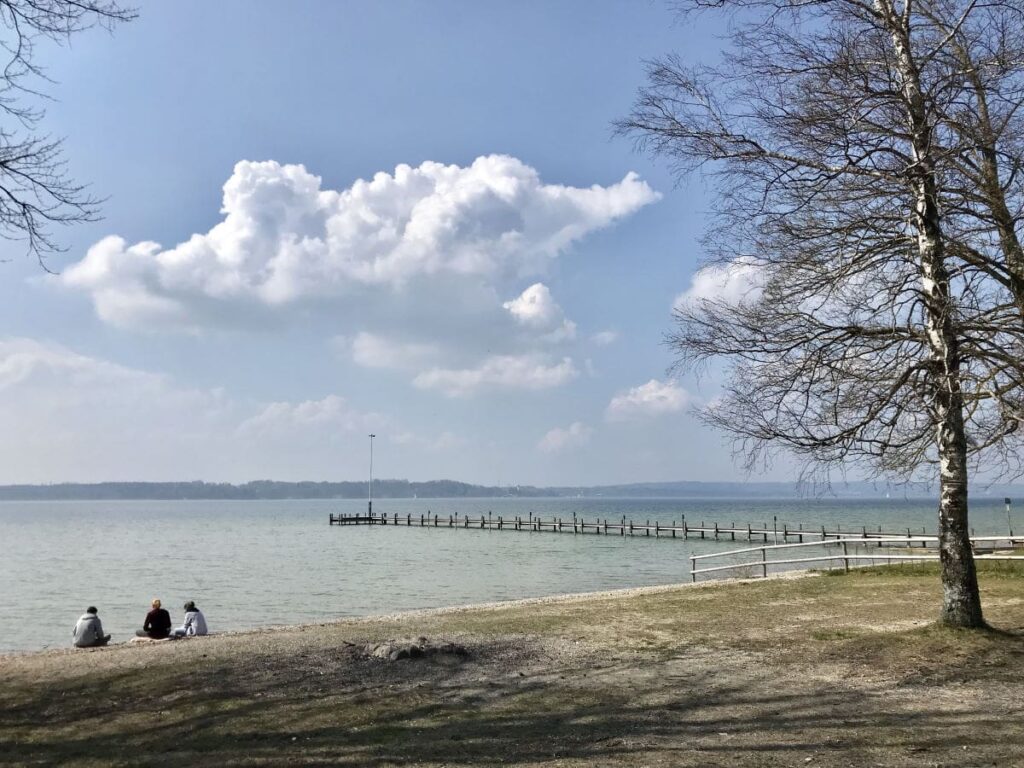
<point>257,563</point>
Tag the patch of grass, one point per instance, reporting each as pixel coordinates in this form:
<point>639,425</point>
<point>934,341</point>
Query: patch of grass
<point>766,672</point>
<point>986,568</point>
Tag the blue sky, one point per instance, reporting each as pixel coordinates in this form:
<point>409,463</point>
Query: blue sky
<point>493,310</point>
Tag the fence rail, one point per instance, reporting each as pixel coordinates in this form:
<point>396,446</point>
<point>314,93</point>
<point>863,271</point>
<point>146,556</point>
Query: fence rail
<point>980,544</point>
<point>676,528</point>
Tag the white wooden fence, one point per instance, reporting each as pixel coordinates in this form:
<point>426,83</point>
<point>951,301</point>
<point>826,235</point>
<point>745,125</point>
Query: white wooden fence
<point>881,551</point>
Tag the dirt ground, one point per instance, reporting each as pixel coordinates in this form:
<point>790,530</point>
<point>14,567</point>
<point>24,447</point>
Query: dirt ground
<point>826,670</point>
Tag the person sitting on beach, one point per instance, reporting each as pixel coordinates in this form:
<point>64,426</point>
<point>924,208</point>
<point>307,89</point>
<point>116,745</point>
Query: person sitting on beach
<point>195,622</point>
<point>88,632</point>
<point>157,625</point>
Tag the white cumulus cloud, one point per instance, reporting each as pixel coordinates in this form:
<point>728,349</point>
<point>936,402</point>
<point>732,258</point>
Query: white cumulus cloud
<point>285,240</point>
<point>738,281</point>
<point>651,399</point>
<point>559,439</point>
<point>536,309</point>
<point>529,372</point>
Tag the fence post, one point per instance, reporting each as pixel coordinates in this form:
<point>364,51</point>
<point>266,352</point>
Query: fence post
<point>764,563</point>
<point>693,569</point>
<point>846,559</point>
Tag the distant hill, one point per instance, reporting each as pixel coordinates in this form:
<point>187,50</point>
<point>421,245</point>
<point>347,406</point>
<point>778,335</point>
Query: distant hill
<point>437,489</point>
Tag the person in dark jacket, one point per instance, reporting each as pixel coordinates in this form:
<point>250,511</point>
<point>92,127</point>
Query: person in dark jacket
<point>157,625</point>
<point>88,632</point>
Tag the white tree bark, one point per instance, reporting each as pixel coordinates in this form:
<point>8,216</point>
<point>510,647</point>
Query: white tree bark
<point>961,600</point>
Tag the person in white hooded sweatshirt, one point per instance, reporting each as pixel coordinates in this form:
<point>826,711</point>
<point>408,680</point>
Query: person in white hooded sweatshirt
<point>195,622</point>
<point>88,632</point>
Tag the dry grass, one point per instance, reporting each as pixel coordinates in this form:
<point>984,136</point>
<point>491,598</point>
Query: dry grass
<point>838,670</point>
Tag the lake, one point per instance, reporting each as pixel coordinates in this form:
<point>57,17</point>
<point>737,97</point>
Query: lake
<point>256,563</point>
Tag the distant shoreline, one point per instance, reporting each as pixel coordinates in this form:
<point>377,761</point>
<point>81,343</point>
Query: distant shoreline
<point>451,489</point>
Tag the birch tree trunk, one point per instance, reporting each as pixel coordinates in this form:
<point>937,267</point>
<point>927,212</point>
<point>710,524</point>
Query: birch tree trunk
<point>961,602</point>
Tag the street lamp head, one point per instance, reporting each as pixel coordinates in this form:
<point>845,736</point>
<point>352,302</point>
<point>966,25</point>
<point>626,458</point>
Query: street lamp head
<point>372,435</point>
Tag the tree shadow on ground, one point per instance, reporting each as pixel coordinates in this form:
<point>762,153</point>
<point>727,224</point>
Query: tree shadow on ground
<point>335,708</point>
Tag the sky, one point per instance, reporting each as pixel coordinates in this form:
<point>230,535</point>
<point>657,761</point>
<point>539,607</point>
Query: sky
<point>401,218</point>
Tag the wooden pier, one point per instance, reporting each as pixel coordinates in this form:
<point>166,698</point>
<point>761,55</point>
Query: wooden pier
<point>681,528</point>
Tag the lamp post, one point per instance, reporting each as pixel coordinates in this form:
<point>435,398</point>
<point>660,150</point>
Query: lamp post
<point>369,497</point>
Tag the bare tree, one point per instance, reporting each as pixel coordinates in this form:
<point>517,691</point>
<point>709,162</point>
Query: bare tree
<point>868,158</point>
<point>36,191</point>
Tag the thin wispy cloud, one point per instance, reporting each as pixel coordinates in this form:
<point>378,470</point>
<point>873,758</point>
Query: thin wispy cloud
<point>604,338</point>
<point>526,372</point>
<point>113,422</point>
<point>372,350</point>
<point>561,439</point>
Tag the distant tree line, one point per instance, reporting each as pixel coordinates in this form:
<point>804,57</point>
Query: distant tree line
<point>452,489</point>
<point>258,489</point>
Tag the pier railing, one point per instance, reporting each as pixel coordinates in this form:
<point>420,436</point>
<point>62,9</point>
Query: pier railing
<point>676,528</point>
<point>985,549</point>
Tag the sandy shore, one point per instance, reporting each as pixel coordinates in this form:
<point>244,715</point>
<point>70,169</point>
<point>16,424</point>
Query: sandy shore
<point>827,670</point>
